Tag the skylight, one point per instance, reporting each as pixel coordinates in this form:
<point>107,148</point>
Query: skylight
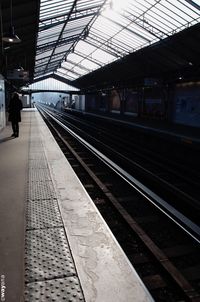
<point>77,37</point>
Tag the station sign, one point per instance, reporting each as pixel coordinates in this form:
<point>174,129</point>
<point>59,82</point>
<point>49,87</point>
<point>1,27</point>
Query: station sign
<point>18,74</point>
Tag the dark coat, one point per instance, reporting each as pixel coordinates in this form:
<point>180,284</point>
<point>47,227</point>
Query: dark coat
<point>14,109</point>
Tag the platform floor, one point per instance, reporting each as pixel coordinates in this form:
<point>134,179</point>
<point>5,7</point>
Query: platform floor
<point>54,244</point>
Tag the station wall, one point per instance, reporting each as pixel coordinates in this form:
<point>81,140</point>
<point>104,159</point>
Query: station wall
<point>178,103</point>
<point>131,102</point>
<point>144,102</point>
<point>186,101</point>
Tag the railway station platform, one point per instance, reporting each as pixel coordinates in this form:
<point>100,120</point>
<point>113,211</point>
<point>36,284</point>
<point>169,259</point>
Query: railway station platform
<point>54,244</point>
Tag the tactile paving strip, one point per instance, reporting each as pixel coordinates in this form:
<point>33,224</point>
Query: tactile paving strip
<point>37,155</point>
<point>39,175</point>
<point>41,190</point>
<point>66,289</point>
<point>35,144</point>
<point>42,214</point>
<point>36,141</point>
<point>49,267</point>
<point>38,164</point>
<point>47,255</point>
<point>35,133</point>
<point>34,148</point>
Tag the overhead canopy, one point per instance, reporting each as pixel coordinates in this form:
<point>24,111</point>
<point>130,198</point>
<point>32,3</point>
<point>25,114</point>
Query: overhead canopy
<point>78,37</point>
<point>75,40</point>
<point>62,24</point>
<point>170,60</point>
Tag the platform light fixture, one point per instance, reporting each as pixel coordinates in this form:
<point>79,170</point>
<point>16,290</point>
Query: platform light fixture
<point>11,37</point>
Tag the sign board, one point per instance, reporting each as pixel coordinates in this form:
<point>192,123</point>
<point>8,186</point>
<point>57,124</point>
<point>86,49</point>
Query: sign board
<point>18,74</point>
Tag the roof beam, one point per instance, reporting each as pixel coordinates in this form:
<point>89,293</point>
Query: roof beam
<point>45,27</point>
<point>193,4</point>
<point>111,47</point>
<point>62,79</point>
<point>50,45</point>
<point>85,28</point>
<point>88,57</point>
<point>92,42</point>
<point>61,32</point>
<point>71,70</point>
<point>122,27</point>
<point>78,65</point>
<point>83,11</point>
<point>153,30</point>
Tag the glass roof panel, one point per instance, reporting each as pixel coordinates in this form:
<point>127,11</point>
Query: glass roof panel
<point>45,75</point>
<point>63,48</point>
<point>54,8</point>
<point>43,55</point>
<point>163,14</point>
<point>179,11</point>
<point>41,65</point>
<point>102,56</point>
<point>79,70</point>
<point>69,73</point>
<point>103,24</point>
<point>84,47</point>
<point>51,30</point>
<point>67,65</point>
<point>89,64</point>
<point>75,57</point>
<point>68,77</point>
<point>89,34</point>
<point>72,32</point>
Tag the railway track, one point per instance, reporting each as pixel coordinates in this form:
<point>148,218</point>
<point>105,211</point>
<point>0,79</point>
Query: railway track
<point>160,242</point>
<point>170,179</point>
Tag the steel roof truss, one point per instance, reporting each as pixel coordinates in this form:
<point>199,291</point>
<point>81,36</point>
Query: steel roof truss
<point>53,44</point>
<point>144,24</point>
<point>112,43</point>
<point>75,73</point>
<point>72,8</point>
<point>82,13</point>
<point>60,34</point>
<point>89,58</point>
<point>104,47</point>
<point>62,75</point>
<point>78,65</point>
<point>194,4</point>
<point>45,27</point>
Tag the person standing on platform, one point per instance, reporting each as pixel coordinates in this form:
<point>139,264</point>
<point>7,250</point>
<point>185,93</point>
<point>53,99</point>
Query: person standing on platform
<point>14,110</point>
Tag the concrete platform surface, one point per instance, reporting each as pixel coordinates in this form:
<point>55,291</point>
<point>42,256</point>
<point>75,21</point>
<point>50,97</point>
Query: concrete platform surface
<point>13,176</point>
